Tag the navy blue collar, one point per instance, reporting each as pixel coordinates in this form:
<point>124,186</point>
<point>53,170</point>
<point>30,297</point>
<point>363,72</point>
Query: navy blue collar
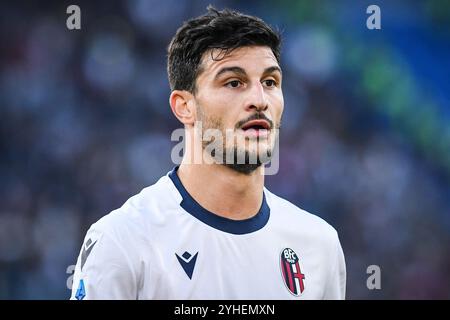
<point>224,224</point>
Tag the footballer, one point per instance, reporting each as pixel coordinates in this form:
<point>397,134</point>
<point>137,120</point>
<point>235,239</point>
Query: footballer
<point>209,229</point>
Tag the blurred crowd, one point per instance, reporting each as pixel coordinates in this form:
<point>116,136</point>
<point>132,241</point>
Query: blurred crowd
<point>365,139</point>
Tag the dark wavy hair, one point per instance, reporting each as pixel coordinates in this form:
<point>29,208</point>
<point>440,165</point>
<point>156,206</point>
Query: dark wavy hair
<point>225,30</point>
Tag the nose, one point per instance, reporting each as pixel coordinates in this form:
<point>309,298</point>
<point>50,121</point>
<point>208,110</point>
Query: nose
<point>257,98</point>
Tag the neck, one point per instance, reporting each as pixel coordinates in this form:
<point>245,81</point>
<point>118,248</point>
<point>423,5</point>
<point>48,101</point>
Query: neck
<point>222,190</point>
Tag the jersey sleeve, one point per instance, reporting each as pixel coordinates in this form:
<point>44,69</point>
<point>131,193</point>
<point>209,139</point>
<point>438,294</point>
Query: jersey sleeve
<point>103,270</point>
<point>336,286</point>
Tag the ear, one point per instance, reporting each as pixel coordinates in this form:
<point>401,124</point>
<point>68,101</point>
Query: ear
<point>183,106</point>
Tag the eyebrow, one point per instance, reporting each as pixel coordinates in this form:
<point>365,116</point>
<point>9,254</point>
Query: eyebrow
<point>272,69</point>
<point>240,71</point>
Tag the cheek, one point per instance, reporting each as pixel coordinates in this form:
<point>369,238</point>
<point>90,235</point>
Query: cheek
<point>215,101</point>
<point>277,104</point>
<point>226,107</point>
<point>215,113</point>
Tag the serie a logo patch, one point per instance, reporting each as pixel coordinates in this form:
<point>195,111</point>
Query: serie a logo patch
<point>293,277</point>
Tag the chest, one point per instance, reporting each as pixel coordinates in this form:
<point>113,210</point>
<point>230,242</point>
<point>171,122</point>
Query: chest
<point>234,267</point>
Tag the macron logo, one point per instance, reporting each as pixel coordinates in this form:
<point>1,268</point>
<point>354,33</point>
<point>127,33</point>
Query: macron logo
<point>87,251</point>
<point>187,261</point>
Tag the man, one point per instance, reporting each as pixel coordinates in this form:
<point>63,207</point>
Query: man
<point>209,229</point>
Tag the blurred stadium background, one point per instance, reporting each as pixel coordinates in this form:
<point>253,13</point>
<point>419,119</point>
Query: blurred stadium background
<point>365,143</point>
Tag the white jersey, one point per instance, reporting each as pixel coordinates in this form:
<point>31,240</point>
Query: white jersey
<point>161,244</point>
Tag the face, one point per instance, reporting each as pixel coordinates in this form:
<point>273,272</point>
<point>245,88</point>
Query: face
<point>240,96</point>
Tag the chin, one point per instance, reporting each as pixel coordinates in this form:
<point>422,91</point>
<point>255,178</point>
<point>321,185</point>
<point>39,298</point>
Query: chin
<point>246,169</point>
<point>246,162</point>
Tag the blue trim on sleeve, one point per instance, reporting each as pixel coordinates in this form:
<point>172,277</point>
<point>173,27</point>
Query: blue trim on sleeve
<point>224,224</point>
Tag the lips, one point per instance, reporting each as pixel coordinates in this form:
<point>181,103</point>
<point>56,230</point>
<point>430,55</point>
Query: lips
<point>258,124</point>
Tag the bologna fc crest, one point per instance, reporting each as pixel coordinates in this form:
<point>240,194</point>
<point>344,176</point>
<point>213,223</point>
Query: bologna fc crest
<point>293,277</point>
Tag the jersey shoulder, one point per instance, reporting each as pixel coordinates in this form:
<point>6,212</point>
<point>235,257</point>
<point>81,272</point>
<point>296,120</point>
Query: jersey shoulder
<point>135,217</point>
<point>299,218</point>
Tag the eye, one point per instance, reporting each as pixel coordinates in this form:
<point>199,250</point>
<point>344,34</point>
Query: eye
<point>234,83</point>
<point>270,83</point>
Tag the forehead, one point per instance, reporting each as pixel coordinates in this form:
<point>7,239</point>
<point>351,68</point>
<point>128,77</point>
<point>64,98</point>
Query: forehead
<point>251,59</point>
